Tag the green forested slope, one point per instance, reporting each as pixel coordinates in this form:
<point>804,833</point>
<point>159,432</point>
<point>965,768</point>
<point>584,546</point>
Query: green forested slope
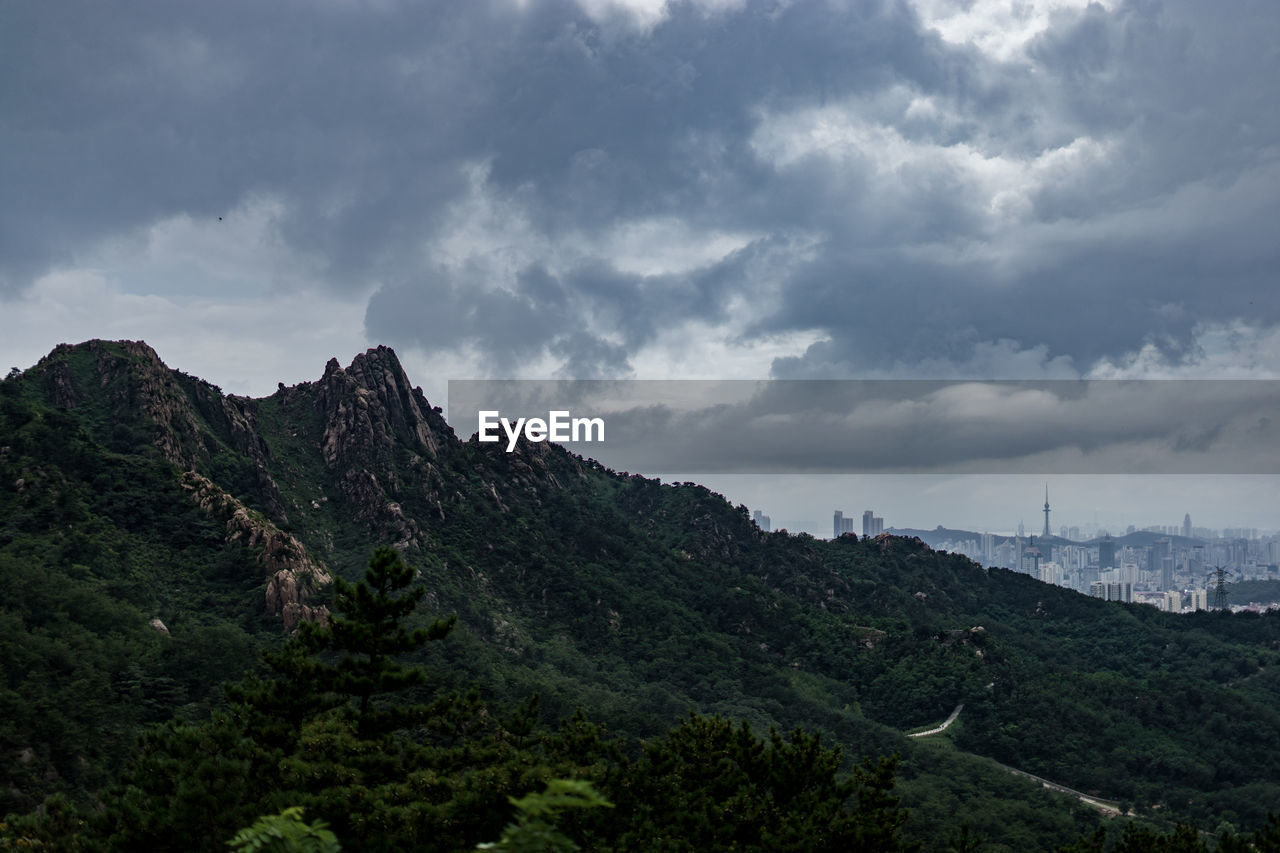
<point>633,601</point>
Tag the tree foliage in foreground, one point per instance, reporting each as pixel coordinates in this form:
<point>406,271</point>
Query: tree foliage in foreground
<point>712,785</point>
<point>328,735</point>
<point>285,833</point>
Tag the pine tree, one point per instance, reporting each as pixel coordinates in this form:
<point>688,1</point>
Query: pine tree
<point>712,785</point>
<point>368,632</point>
<point>318,734</point>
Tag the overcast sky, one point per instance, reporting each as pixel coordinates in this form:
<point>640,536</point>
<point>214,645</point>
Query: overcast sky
<point>639,189</point>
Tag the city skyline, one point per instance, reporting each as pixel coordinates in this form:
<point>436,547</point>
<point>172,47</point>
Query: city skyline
<point>996,504</point>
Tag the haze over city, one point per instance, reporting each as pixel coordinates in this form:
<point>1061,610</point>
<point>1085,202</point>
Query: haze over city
<point>997,503</point>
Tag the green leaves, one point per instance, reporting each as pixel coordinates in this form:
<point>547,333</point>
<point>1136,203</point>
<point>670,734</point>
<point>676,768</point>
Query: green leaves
<point>285,833</point>
<point>367,631</point>
<point>534,830</point>
<point>712,785</point>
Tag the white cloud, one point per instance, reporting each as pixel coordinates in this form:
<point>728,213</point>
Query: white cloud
<point>1236,350</point>
<point>999,28</point>
<point>1000,185</point>
<point>698,350</point>
<point>243,345</point>
<point>494,232</point>
<point>242,253</point>
<point>664,245</point>
<point>646,14</point>
<point>216,298</point>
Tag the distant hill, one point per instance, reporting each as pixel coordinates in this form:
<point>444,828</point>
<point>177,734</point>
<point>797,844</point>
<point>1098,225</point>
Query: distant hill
<point>132,494</point>
<point>1137,539</point>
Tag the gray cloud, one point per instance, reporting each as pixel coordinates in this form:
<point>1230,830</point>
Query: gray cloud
<point>486,167</point>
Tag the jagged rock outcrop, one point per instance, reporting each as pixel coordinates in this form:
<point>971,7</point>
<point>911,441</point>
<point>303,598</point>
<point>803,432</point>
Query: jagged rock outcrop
<point>154,392</point>
<point>292,576</point>
<point>62,391</point>
<point>372,418</point>
<point>236,421</point>
<point>370,407</point>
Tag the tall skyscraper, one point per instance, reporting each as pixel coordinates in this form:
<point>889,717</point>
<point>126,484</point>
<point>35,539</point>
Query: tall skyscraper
<point>1045,534</point>
<point>872,524</point>
<point>1107,553</point>
<point>1186,525</point>
<point>1030,562</point>
<point>841,525</point>
<point>1160,562</point>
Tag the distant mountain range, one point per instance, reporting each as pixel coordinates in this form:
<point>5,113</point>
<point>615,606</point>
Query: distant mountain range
<point>1137,539</point>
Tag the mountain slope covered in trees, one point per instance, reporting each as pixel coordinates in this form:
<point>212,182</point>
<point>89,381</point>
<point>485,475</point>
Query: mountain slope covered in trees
<point>156,534</point>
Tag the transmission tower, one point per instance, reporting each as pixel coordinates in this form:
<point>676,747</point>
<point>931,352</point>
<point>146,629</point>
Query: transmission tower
<point>1219,578</point>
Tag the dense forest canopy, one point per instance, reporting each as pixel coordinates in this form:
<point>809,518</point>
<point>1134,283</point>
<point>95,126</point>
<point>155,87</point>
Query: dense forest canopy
<point>178,663</point>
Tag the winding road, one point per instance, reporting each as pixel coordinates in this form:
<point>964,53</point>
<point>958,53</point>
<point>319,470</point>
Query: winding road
<point>943,727</point>
<point>1106,806</point>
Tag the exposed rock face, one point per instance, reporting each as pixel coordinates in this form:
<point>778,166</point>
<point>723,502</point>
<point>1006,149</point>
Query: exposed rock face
<point>382,443</point>
<point>58,381</point>
<point>372,416</point>
<point>186,417</point>
<point>370,406</point>
<point>133,381</point>
<point>159,397</point>
<point>236,419</point>
<point>292,576</point>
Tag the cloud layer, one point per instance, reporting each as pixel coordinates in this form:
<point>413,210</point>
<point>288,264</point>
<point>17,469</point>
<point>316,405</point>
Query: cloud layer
<point>822,189</point>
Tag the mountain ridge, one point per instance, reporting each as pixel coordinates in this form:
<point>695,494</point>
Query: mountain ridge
<point>636,600</point>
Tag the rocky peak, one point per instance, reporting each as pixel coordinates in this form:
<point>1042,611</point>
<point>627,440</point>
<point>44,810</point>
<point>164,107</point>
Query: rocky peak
<point>374,423</point>
<point>370,407</point>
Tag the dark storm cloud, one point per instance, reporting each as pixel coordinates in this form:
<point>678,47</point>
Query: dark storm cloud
<point>1136,161</point>
<point>114,117</point>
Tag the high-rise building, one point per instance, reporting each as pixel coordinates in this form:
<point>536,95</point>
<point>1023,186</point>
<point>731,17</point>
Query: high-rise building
<point>1186,525</point>
<point>1030,563</point>
<point>1112,591</point>
<point>762,521</point>
<point>1198,599</point>
<point>1107,553</point>
<point>841,525</point>
<point>1160,562</point>
<point>872,524</point>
